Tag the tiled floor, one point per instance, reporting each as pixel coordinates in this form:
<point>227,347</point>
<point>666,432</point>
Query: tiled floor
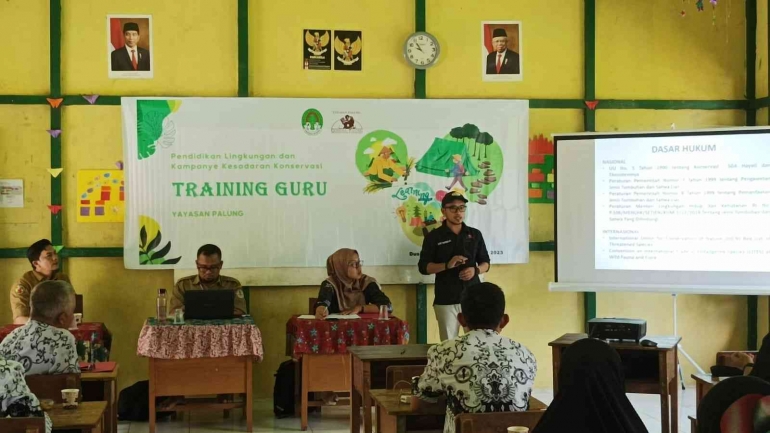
<point>336,420</point>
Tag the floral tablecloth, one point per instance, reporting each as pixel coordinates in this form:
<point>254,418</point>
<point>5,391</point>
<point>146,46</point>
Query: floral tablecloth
<point>83,334</point>
<point>200,339</point>
<point>310,336</point>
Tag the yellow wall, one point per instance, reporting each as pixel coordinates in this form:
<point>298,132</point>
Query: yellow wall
<point>644,50</point>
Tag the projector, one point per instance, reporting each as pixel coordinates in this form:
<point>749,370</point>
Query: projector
<point>617,329</point>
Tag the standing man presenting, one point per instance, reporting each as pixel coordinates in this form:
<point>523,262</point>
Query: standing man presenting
<point>457,255</point>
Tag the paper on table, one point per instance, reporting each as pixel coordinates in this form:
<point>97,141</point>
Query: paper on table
<point>332,316</point>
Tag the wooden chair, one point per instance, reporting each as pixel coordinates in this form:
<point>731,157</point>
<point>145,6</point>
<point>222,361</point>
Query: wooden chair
<point>400,376</point>
<point>22,425</point>
<point>311,305</point>
<point>49,386</point>
<point>496,422</point>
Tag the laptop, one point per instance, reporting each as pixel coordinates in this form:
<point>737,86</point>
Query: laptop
<point>209,304</point>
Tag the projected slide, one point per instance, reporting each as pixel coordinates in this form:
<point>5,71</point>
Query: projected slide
<point>698,203</point>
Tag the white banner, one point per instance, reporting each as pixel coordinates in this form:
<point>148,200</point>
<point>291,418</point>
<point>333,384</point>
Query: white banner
<point>286,182</point>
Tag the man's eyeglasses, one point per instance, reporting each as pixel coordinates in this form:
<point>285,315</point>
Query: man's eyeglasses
<point>455,209</point>
<point>357,264</point>
<point>209,268</point>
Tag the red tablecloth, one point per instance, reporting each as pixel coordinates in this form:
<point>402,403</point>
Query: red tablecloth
<point>200,339</point>
<point>329,337</point>
<point>83,337</point>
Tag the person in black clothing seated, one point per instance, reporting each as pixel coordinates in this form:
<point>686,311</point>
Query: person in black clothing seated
<point>591,397</point>
<point>347,290</point>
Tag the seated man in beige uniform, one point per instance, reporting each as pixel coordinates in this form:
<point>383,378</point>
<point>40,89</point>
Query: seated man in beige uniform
<point>45,266</point>
<point>209,263</point>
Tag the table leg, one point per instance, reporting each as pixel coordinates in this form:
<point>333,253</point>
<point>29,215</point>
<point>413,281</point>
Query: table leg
<point>304,392</point>
<point>674,391</point>
<point>249,408</point>
<point>152,396</point>
<point>110,425</point>
<point>367,399</point>
<point>663,381</point>
<point>356,385</point>
<point>297,386</point>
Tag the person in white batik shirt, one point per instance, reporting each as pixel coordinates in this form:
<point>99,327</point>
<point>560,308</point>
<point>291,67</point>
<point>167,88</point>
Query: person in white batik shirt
<point>481,371</point>
<point>16,400</point>
<point>43,345</point>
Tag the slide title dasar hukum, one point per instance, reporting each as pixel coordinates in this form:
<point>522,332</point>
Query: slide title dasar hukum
<point>688,148</point>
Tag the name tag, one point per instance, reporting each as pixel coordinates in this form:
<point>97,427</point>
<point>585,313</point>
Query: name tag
<point>443,243</point>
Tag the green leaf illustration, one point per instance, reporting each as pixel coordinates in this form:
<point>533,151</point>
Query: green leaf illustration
<point>162,253</point>
<point>154,243</point>
<point>172,261</point>
<point>149,124</point>
<point>143,238</point>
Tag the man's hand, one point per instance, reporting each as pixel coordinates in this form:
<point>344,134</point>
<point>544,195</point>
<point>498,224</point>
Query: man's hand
<point>321,312</point>
<point>738,360</point>
<point>456,261</point>
<point>467,274</point>
<point>355,310</point>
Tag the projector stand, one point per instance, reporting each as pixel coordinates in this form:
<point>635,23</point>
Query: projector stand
<point>682,351</point>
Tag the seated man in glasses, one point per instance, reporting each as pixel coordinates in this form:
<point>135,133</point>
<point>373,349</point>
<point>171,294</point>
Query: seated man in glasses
<point>209,263</point>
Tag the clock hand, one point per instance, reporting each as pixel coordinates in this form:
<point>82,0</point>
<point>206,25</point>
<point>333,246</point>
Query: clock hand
<point>418,47</point>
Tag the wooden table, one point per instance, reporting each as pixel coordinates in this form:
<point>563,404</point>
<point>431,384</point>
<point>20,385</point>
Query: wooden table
<point>200,358</point>
<point>394,416</point>
<point>110,380</point>
<point>88,417</point>
<point>320,373</point>
<point>202,377</point>
<point>321,349</point>
<point>368,359</point>
<point>703,384</point>
<point>649,370</point>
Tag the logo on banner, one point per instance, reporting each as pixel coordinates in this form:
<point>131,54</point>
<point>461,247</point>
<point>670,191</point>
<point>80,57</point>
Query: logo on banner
<point>312,121</point>
<point>154,128</point>
<point>347,125</point>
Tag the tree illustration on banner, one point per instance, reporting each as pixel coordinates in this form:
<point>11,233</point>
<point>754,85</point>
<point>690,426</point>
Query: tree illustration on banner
<point>471,157</point>
<point>149,240</point>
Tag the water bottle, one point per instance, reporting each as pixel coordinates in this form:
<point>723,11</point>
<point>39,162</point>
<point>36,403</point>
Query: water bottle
<point>161,306</point>
<point>92,355</point>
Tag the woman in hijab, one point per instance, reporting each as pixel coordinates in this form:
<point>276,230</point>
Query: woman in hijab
<point>347,289</point>
<point>732,406</point>
<point>591,397</point>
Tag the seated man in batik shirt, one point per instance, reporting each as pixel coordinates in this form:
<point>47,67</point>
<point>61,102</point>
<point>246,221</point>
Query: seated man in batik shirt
<point>480,371</point>
<point>44,345</point>
<point>16,400</point>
